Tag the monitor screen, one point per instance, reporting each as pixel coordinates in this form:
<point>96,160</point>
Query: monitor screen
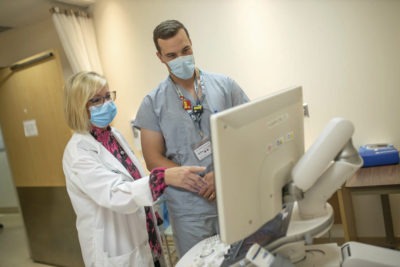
<point>255,146</point>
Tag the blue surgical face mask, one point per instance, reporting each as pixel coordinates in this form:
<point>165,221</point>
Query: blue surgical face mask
<point>102,115</point>
<point>182,67</point>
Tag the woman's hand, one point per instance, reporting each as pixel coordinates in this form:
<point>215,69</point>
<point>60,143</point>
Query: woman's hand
<point>208,191</point>
<point>186,177</point>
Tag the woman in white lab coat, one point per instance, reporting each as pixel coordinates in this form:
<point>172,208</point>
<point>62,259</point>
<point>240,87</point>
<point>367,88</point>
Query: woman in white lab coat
<point>106,183</point>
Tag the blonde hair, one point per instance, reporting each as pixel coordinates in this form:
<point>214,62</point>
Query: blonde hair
<point>78,89</point>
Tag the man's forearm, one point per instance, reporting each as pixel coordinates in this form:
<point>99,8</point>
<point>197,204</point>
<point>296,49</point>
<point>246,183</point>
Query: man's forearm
<point>160,162</point>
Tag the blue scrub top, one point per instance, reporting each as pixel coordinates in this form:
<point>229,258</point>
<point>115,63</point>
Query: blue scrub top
<point>161,111</point>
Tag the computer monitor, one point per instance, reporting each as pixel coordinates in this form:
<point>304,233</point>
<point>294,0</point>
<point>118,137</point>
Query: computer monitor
<point>255,146</point>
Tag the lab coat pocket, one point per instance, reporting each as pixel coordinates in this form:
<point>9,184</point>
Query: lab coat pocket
<point>100,255</point>
<point>136,257</point>
<point>127,260</point>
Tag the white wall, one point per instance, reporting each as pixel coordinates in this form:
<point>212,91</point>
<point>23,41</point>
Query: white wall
<point>8,197</point>
<point>345,54</point>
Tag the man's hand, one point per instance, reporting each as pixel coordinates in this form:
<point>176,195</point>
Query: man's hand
<point>185,177</point>
<point>208,192</point>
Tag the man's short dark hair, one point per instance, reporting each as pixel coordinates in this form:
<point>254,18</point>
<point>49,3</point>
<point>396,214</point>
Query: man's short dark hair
<point>166,30</point>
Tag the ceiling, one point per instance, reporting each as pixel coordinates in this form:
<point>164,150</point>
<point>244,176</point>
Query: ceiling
<point>20,13</point>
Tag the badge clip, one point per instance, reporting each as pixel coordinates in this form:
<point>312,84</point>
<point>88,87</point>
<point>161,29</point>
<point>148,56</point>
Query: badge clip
<point>198,109</point>
<point>186,104</point>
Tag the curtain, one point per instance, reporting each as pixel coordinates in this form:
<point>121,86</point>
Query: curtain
<point>76,32</point>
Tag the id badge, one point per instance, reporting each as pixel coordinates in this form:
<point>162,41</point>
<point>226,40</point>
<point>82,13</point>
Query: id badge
<point>202,149</point>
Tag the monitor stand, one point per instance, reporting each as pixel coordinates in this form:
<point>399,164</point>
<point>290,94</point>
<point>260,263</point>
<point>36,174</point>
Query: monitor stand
<point>286,230</point>
<point>296,245</point>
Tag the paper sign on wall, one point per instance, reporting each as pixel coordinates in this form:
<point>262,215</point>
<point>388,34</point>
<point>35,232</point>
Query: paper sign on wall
<point>30,128</point>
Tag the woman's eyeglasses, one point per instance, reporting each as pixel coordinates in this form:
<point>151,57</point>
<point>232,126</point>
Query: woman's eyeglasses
<point>99,100</point>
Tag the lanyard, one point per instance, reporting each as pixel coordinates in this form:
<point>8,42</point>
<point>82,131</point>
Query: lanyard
<point>194,111</point>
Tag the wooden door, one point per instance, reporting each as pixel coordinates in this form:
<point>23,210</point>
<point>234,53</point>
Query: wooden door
<point>35,134</point>
<point>32,97</point>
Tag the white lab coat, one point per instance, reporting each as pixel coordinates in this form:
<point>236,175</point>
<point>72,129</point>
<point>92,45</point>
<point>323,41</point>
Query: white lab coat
<point>108,203</point>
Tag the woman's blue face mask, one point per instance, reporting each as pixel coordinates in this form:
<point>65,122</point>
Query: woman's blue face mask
<point>101,116</point>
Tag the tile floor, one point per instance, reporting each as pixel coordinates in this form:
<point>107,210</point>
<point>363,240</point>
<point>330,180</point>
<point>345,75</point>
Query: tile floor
<point>14,251</point>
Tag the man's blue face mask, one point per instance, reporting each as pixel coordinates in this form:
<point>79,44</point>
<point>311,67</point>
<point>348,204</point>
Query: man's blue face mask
<point>102,115</point>
<point>182,67</point>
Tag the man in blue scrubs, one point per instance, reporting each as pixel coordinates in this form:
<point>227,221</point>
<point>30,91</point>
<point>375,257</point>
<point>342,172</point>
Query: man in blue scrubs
<point>174,120</point>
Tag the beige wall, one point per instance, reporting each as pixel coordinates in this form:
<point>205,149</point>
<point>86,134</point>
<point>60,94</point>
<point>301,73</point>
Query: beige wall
<point>8,198</point>
<point>21,43</point>
<point>343,53</point>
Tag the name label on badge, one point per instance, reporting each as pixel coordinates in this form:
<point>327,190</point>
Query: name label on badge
<point>203,150</point>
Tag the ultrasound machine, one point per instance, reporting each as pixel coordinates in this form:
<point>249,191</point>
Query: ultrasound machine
<point>272,197</point>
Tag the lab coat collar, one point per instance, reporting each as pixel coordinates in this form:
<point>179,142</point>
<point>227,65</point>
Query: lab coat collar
<point>109,159</point>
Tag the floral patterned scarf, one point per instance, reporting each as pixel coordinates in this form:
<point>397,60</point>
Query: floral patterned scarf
<point>157,185</point>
